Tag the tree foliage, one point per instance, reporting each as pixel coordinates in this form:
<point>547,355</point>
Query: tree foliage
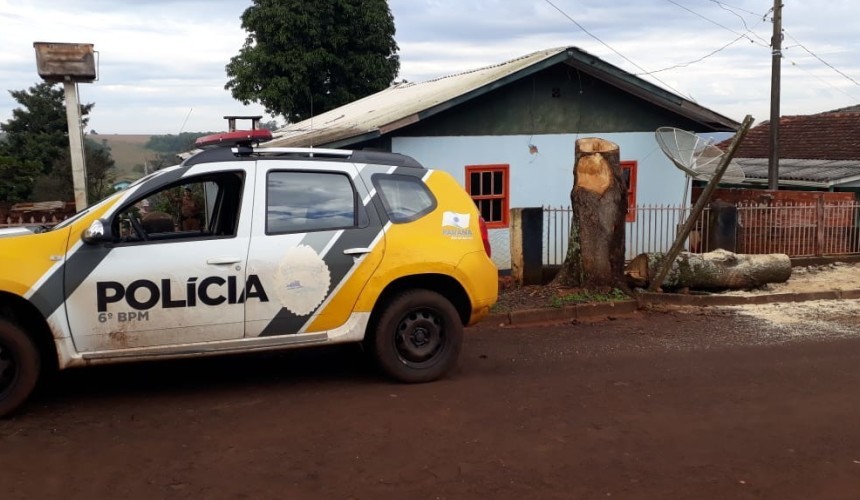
<point>35,164</point>
<point>37,131</point>
<point>172,144</point>
<point>58,184</point>
<point>303,58</point>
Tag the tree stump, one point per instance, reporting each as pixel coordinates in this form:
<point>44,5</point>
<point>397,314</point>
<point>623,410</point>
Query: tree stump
<point>595,251</point>
<point>717,270</point>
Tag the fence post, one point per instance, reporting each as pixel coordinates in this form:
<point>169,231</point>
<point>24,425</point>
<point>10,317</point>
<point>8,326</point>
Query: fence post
<point>819,236</point>
<point>527,246</point>
<point>722,227</point>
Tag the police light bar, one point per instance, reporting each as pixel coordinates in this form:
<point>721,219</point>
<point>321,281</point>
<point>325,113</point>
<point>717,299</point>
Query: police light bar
<point>235,138</point>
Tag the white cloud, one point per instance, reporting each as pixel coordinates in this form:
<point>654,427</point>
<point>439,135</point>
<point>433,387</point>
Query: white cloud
<point>161,58</point>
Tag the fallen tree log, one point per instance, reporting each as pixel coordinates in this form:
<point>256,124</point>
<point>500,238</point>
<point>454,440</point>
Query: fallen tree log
<point>717,270</point>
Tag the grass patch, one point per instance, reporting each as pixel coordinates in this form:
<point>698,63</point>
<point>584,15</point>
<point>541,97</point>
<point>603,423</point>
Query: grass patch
<point>586,296</point>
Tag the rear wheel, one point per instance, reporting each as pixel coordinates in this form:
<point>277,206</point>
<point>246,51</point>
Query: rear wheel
<point>418,337</point>
<point>19,367</point>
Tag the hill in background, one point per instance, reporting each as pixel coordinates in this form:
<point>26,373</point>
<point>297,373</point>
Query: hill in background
<point>127,152</point>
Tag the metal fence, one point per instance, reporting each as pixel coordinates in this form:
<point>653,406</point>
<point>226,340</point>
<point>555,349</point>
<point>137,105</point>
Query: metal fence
<point>795,229</point>
<point>31,221</point>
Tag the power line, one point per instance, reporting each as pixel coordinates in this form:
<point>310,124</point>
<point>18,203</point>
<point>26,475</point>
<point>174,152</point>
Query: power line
<point>688,63</point>
<point>813,54</point>
<point>619,54</point>
<point>741,36</point>
<point>744,35</point>
<point>822,80</point>
<point>732,8</point>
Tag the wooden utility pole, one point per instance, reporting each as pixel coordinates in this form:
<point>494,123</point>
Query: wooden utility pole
<point>776,66</point>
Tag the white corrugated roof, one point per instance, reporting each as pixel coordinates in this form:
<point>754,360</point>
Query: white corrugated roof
<point>807,172</point>
<point>398,105</point>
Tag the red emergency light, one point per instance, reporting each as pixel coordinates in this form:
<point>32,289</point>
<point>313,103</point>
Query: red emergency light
<point>234,138</point>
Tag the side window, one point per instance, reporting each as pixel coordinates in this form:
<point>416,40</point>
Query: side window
<point>309,201</point>
<point>405,198</point>
<point>194,208</point>
<point>488,185</point>
<point>628,171</point>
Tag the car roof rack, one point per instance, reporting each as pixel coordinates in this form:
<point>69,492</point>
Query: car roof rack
<point>248,152</point>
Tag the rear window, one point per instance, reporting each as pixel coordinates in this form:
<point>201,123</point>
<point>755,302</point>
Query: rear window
<point>309,201</point>
<point>405,198</point>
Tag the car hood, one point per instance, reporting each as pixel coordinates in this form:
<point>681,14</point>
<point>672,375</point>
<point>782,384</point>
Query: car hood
<point>7,232</point>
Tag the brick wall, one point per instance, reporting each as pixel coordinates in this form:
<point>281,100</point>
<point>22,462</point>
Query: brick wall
<point>797,223</point>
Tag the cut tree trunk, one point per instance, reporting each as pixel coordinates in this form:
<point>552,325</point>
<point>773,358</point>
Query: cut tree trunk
<point>595,252</point>
<point>717,270</point>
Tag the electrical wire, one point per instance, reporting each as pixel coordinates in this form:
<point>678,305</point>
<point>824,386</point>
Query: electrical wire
<point>822,80</point>
<point>732,8</point>
<point>619,54</point>
<point>741,36</point>
<point>813,54</point>
<point>744,35</point>
<point>688,63</point>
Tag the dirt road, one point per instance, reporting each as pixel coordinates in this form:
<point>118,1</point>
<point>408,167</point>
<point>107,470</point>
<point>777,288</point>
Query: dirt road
<point>660,405</point>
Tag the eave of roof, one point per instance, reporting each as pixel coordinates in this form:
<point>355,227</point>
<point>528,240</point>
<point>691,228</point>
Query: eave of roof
<point>407,103</point>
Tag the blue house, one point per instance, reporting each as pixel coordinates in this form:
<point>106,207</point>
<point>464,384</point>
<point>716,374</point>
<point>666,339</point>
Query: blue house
<point>507,131</point>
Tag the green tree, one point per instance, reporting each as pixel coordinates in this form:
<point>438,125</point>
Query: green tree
<point>173,144</point>
<point>58,184</point>
<point>303,58</point>
<point>16,180</point>
<point>36,137</point>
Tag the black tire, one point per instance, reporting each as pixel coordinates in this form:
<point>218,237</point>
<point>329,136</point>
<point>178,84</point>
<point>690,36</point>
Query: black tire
<point>19,367</point>
<point>418,337</point>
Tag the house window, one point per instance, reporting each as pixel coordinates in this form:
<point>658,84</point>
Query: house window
<point>628,171</point>
<point>488,185</point>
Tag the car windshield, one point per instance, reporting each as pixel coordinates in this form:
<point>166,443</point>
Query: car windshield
<point>87,210</point>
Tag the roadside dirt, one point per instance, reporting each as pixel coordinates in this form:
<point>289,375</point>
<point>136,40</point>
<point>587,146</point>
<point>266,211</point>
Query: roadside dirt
<point>835,276</point>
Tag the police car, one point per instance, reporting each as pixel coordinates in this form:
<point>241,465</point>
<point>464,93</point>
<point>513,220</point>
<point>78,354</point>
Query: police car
<point>244,248</point>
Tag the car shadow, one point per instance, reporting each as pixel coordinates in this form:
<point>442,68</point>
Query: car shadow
<point>307,367</point>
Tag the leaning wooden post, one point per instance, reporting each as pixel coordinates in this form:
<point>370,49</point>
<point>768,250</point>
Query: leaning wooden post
<point>595,252</point>
<point>703,200</point>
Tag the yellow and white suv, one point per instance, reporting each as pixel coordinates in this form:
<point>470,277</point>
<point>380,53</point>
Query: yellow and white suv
<point>243,249</point>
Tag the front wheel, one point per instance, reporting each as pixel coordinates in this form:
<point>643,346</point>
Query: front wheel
<point>418,337</point>
<point>19,367</point>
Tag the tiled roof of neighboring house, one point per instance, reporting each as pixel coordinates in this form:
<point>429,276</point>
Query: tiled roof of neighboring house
<point>849,109</point>
<point>820,150</point>
<point>404,104</point>
<point>833,135</point>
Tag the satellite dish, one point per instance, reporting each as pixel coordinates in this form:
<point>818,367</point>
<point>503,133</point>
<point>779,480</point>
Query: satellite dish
<point>696,157</point>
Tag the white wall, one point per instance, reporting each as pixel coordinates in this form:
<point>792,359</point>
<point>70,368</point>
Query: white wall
<point>545,178</point>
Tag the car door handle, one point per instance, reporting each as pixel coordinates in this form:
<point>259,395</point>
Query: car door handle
<point>223,261</point>
<point>356,251</point>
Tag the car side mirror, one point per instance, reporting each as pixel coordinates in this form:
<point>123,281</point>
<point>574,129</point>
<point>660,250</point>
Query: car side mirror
<point>98,232</point>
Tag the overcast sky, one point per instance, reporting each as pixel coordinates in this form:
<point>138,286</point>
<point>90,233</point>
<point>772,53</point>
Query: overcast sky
<point>162,61</point>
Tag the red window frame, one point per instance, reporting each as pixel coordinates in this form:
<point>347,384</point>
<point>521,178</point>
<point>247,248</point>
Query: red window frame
<point>629,168</point>
<point>487,193</point>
